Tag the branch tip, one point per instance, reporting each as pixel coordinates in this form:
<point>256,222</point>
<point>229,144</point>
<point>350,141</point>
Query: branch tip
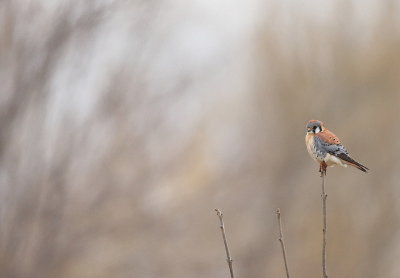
<point>280,238</point>
<point>228,256</point>
<point>219,213</point>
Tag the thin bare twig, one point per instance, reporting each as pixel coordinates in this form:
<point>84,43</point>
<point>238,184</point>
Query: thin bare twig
<point>324,229</point>
<point>278,215</point>
<point>228,256</point>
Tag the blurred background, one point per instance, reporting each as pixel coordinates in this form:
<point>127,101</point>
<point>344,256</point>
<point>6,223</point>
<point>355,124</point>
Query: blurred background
<point>123,124</point>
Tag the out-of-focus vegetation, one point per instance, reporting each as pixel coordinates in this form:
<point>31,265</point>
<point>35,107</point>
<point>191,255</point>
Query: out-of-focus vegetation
<point>123,124</point>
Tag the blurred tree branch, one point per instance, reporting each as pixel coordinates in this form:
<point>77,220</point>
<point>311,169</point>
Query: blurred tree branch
<point>281,240</point>
<point>222,226</point>
<point>324,229</point>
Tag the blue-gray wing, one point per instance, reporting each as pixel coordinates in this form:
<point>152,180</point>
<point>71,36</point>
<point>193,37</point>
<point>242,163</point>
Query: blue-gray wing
<point>338,150</point>
<point>324,148</point>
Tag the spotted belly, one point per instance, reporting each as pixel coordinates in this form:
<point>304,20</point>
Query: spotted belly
<point>318,156</point>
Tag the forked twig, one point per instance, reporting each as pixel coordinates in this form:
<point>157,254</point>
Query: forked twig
<point>228,256</point>
<point>324,229</point>
<point>278,215</point>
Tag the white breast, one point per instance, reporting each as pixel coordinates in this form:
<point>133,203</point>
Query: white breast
<point>332,160</point>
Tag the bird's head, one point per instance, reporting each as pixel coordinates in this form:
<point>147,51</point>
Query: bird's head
<point>315,126</point>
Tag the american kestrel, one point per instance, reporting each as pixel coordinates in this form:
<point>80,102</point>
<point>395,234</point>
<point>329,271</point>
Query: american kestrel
<point>325,148</point>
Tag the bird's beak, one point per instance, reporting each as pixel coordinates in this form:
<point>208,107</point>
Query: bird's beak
<point>309,129</point>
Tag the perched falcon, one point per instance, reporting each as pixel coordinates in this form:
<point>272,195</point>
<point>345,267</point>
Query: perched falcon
<point>325,148</point>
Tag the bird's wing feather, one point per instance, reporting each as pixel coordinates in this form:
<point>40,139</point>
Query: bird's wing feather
<point>328,137</point>
<point>351,161</point>
<point>326,147</point>
<point>337,150</point>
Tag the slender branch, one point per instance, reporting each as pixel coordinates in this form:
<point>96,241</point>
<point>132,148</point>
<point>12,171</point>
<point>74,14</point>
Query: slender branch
<point>324,229</point>
<point>228,256</point>
<point>278,214</point>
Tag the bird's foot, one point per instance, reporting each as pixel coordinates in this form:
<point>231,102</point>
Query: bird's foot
<point>322,168</point>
